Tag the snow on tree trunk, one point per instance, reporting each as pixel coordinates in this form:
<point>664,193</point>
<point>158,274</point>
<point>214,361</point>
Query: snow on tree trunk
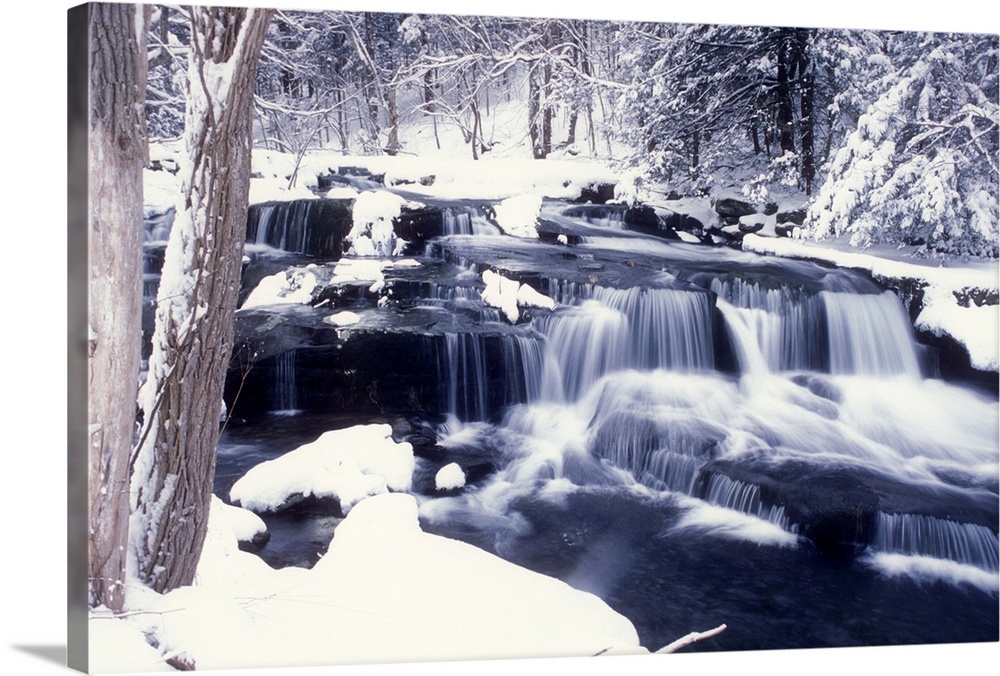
<point>182,397</point>
<point>117,152</point>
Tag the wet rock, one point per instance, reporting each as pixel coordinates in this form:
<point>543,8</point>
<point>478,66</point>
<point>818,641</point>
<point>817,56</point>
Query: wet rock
<point>257,543</point>
<point>819,386</point>
<point>601,193</point>
<point>730,207</point>
<point>835,511</point>
<point>416,225</point>
<point>747,228</point>
<point>796,217</point>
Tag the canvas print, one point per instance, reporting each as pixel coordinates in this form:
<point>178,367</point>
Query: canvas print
<point>415,337</point>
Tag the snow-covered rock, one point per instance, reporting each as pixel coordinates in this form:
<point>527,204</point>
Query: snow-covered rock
<point>449,477</point>
<point>343,318</point>
<point>518,215</point>
<point>507,295</point>
<point>291,286</point>
<point>346,465</point>
<point>372,233</point>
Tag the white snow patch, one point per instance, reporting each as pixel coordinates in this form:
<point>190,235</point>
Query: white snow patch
<point>976,327</point>
<point>345,318</point>
<point>372,233</point>
<point>363,270</point>
<point>242,523</point>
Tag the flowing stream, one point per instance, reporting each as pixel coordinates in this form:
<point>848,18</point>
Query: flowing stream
<point>697,435</point>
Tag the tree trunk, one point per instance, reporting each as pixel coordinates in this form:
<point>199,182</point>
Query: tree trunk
<point>117,153</point>
<point>695,152</point>
<point>785,111</point>
<point>392,144</point>
<point>534,92</point>
<point>806,108</point>
<point>192,343</point>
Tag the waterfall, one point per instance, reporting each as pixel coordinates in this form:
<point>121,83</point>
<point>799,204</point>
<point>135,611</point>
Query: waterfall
<point>869,334</point>
<point>786,324</point>
<point>631,376</point>
<point>581,346</point>
<point>156,227</point>
<point>285,388</point>
<point>483,373</point>
<point>920,535</point>
<point>314,227</point>
<point>282,226</point>
<point>744,497</point>
<point>662,449</point>
<point>463,365</point>
<point>615,329</point>
<point>745,340</point>
<point>466,222</point>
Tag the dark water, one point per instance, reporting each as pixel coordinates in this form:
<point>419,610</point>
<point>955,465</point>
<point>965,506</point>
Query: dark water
<point>697,435</point>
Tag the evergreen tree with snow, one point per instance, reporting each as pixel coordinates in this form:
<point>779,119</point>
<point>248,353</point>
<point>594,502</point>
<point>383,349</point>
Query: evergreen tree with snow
<point>920,167</point>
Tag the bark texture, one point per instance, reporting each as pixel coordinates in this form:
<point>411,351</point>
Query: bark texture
<point>117,152</point>
<point>192,341</point>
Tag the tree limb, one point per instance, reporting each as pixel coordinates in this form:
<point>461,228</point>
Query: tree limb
<point>693,637</point>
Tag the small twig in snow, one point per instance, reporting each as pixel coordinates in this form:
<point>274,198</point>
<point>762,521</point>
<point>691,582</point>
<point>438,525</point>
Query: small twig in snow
<point>693,637</point>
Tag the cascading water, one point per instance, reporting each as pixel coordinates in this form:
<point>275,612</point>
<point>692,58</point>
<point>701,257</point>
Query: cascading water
<point>285,388</point>
<point>692,430</point>
<point>458,221</point>
<point>920,535</point>
<point>869,335</point>
<point>786,323</point>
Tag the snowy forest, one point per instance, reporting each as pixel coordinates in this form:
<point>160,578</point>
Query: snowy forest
<point>472,337</point>
<point>893,135</point>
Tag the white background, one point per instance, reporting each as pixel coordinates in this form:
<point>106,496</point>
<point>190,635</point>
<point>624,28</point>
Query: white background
<point>32,375</point>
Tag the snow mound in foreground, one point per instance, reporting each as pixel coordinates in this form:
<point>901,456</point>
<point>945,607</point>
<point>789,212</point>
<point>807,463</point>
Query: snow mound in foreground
<point>385,592</point>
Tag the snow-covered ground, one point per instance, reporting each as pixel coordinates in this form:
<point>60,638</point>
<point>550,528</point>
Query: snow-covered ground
<point>384,592</point>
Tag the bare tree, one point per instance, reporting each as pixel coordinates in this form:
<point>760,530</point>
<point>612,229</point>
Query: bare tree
<point>192,342</point>
<point>117,154</point>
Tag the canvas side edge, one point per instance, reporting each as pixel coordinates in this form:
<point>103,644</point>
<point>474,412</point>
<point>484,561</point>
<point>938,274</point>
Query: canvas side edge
<point>77,653</point>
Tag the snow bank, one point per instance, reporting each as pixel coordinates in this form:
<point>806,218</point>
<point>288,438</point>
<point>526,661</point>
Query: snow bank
<point>507,294</point>
<point>348,465</point>
<point>291,286</point>
<point>501,293</point>
<point>975,327</point>
<point>243,524</point>
<point>385,592</point>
